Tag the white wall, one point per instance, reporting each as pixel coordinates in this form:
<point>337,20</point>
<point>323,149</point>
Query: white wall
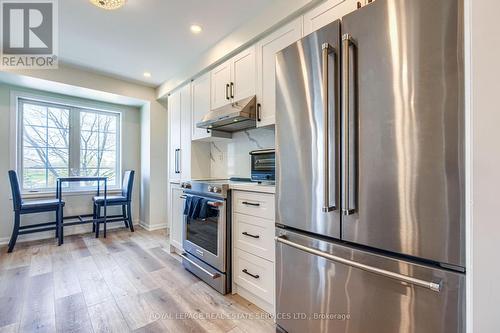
<point>484,228</point>
<point>77,204</point>
<point>275,15</point>
<point>153,139</point>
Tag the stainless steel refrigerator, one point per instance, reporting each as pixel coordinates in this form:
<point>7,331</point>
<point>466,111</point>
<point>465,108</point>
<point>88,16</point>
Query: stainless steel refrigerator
<point>370,173</point>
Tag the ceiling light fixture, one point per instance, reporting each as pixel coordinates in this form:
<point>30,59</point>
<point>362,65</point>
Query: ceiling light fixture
<point>195,29</point>
<point>147,74</point>
<point>108,4</point>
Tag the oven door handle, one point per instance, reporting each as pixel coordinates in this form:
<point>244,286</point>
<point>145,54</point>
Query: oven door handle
<point>215,203</point>
<point>212,275</point>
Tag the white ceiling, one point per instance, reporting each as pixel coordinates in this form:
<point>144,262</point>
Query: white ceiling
<point>147,35</point>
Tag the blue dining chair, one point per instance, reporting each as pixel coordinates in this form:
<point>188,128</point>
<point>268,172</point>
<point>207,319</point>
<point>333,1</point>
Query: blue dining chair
<point>22,207</point>
<point>124,200</point>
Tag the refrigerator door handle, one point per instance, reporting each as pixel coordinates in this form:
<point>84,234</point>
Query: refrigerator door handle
<point>326,50</point>
<point>347,41</point>
<point>434,286</point>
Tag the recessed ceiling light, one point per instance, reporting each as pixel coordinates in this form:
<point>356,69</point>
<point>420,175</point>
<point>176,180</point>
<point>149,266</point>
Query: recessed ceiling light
<point>195,29</point>
<point>108,4</point>
<point>147,74</point>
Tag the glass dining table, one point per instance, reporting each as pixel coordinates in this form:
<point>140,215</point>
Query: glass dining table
<point>96,220</point>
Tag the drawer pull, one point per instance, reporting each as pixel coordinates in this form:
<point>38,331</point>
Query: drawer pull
<point>250,235</point>
<point>247,273</point>
<point>251,203</point>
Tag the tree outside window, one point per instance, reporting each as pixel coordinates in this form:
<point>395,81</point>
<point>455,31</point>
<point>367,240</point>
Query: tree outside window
<point>60,141</point>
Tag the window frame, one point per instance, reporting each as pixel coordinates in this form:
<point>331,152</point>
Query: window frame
<point>74,107</point>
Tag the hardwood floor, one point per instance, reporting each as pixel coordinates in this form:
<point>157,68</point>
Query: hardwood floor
<point>127,282</point>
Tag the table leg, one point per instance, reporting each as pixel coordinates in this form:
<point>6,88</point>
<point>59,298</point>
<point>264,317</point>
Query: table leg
<point>105,205</point>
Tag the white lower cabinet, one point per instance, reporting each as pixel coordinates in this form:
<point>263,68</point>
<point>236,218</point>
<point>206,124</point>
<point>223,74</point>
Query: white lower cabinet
<point>253,248</point>
<point>254,274</point>
<point>254,235</point>
<point>176,217</point>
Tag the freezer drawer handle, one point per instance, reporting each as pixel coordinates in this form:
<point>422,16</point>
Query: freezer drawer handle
<point>326,50</point>
<point>252,275</point>
<point>434,286</point>
<point>212,275</point>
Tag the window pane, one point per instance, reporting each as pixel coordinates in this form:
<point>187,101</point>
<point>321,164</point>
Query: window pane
<point>111,174</point>
<point>89,121</point>
<point>46,139</point>
<point>98,145</point>
<point>58,137</point>
<point>88,159</point>
<point>102,172</point>
<point>34,179</point>
<point>108,159</point>
<point>58,118</point>
<point>54,174</point>
<point>107,123</point>
<point>34,158</point>
<point>89,140</point>
<point>58,158</point>
<point>34,115</point>
<point>45,147</point>
<point>35,136</point>
<point>107,141</point>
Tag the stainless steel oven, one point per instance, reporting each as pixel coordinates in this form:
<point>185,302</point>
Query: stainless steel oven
<point>206,237</point>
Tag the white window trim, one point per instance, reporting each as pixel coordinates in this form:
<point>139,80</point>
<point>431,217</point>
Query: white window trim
<point>15,96</point>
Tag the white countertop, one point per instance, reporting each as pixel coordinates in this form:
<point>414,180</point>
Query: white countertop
<point>252,187</point>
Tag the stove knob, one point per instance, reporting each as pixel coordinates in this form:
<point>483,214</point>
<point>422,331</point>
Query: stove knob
<point>217,190</point>
<point>187,185</point>
<point>182,185</point>
<point>210,189</point>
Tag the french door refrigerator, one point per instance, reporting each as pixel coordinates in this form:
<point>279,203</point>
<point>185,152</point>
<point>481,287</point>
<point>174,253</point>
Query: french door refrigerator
<point>370,173</point>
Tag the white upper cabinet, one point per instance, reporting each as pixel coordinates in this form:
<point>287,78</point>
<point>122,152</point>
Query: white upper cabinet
<point>221,79</point>
<point>243,72</point>
<point>328,12</point>
<point>186,123</point>
<point>234,79</point>
<point>174,135</point>
<point>200,90</point>
<point>266,68</point>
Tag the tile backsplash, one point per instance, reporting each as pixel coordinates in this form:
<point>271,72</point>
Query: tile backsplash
<point>231,158</point>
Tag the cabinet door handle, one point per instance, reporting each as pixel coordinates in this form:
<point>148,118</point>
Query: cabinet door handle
<point>177,161</point>
<point>252,275</point>
<point>232,90</point>
<point>250,235</point>
<point>259,107</point>
<point>251,204</point>
<point>227,91</point>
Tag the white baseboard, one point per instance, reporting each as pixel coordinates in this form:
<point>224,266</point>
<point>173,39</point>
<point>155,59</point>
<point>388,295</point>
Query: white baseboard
<point>153,227</point>
<point>72,230</point>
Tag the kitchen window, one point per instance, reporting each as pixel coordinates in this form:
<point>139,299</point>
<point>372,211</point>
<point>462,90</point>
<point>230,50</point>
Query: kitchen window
<point>58,140</point>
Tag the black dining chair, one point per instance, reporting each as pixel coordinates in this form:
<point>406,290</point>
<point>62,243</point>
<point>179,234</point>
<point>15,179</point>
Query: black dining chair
<point>22,207</point>
<point>124,200</point>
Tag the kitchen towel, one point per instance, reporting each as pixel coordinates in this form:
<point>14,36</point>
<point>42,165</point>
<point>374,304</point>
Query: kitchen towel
<point>197,208</point>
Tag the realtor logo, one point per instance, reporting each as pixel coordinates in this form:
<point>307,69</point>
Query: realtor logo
<point>29,34</point>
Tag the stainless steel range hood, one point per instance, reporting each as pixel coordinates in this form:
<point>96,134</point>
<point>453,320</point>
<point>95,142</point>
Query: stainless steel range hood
<point>233,117</point>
